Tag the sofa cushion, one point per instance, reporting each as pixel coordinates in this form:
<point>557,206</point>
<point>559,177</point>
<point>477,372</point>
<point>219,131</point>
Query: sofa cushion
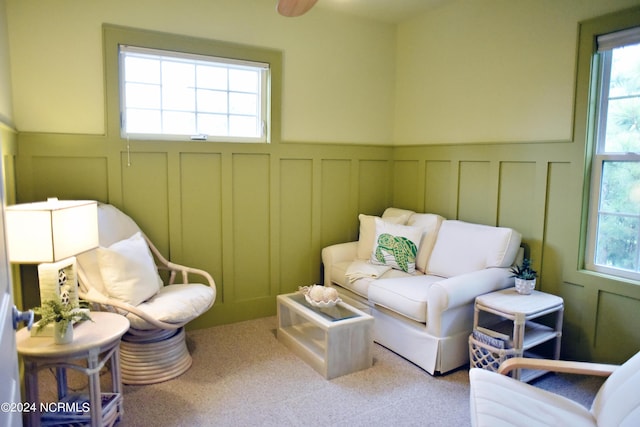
<point>361,286</point>
<point>406,296</point>
<point>462,247</point>
<point>430,224</point>
<point>396,245</point>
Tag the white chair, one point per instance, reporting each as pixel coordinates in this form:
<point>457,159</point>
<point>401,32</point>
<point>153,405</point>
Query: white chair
<point>122,276</point>
<point>499,400</point>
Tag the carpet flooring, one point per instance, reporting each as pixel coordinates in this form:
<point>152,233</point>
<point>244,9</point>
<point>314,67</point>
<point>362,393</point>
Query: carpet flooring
<point>242,376</point>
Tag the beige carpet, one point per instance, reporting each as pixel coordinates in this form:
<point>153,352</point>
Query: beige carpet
<point>242,376</point>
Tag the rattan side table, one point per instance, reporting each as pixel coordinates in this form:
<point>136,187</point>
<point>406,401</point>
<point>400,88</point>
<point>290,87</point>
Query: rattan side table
<point>97,342</point>
<point>511,314</point>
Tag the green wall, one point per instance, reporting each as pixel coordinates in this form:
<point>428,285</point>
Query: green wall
<point>541,189</point>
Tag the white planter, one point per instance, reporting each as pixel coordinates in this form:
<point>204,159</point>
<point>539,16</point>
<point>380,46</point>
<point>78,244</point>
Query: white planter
<point>525,287</point>
<point>62,336</point>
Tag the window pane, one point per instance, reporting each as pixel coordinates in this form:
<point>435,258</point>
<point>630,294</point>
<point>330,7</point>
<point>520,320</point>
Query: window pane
<point>617,243</point>
<point>212,101</point>
<point>143,121</point>
<point>143,95</point>
<point>212,77</point>
<point>179,123</point>
<point>243,126</point>
<point>243,103</point>
<point>213,124</point>
<point>623,106</point>
<point>620,191</point>
<point>243,80</point>
<point>142,70</point>
<point>178,98</point>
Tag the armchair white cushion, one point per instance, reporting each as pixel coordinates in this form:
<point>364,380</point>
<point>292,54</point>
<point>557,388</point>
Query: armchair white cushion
<point>500,401</point>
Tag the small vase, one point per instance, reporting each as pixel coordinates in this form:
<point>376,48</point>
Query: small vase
<point>525,287</point>
<point>61,336</point>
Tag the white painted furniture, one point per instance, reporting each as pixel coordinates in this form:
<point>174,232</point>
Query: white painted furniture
<point>425,317</point>
<point>154,349</point>
<point>96,342</point>
<point>500,401</point>
<point>512,314</point>
<point>335,341</point>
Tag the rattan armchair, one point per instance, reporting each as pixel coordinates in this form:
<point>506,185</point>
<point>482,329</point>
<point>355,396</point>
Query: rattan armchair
<point>499,400</point>
<point>154,349</point>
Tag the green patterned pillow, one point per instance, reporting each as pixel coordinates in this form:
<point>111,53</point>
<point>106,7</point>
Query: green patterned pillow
<point>396,246</point>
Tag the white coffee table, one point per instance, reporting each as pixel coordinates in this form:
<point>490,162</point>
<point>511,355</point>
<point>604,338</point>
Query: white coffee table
<point>334,341</point>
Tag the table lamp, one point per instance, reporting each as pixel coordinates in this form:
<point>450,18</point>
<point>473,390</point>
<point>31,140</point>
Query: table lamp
<point>50,234</point>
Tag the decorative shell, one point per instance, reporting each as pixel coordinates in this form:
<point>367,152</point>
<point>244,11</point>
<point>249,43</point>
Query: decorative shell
<point>320,296</point>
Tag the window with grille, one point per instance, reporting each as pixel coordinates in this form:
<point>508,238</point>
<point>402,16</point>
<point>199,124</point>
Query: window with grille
<point>179,96</point>
<point>614,225</point>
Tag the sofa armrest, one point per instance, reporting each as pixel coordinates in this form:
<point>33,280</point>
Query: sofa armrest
<point>450,301</point>
<point>340,252</point>
<point>337,253</point>
<point>460,290</point>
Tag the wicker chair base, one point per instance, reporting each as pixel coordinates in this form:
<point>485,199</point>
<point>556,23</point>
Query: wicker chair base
<point>153,358</point>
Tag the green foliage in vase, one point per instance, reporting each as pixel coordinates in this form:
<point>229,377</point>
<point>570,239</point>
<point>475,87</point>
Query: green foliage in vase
<point>56,311</point>
<point>524,271</point>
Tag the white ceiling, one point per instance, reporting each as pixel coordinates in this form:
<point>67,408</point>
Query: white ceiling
<point>392,11</point>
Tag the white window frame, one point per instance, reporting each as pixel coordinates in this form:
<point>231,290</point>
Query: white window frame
<point>262,92</point>
<point>606,43</point>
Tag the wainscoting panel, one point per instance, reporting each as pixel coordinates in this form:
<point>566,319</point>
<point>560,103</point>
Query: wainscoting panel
<point>477,192</point>
<point>408,191</point>
<point>200,238</point>
<point>576,336</point>
<point>516,207</point>
<point>144,195</point>
<point>251,226</point>
<point>338,200</point>
<point>298,254</point>
<point>617,322</point>
<point>71,178</point>
<point>555,245</point>
<point>437,179</point>
<point>374,186</point>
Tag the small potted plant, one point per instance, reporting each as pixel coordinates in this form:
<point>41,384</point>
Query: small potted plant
<point>62,314</point>
<point>525,277</point>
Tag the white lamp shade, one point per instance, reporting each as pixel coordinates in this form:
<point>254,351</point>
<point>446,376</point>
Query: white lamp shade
<point>51,231</point>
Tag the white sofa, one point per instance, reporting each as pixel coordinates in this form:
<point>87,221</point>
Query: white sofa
<point>425,316</point>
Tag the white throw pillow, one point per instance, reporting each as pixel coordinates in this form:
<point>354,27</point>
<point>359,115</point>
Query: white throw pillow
<point>367,234</point>
<point>128,270</point>
<point>396,245</point>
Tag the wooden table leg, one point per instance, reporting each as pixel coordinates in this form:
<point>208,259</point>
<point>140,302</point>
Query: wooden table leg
<point>31,390</point>
<point>95,399</point>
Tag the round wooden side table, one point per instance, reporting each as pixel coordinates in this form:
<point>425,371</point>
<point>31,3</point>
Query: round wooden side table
<point>97,342</point>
